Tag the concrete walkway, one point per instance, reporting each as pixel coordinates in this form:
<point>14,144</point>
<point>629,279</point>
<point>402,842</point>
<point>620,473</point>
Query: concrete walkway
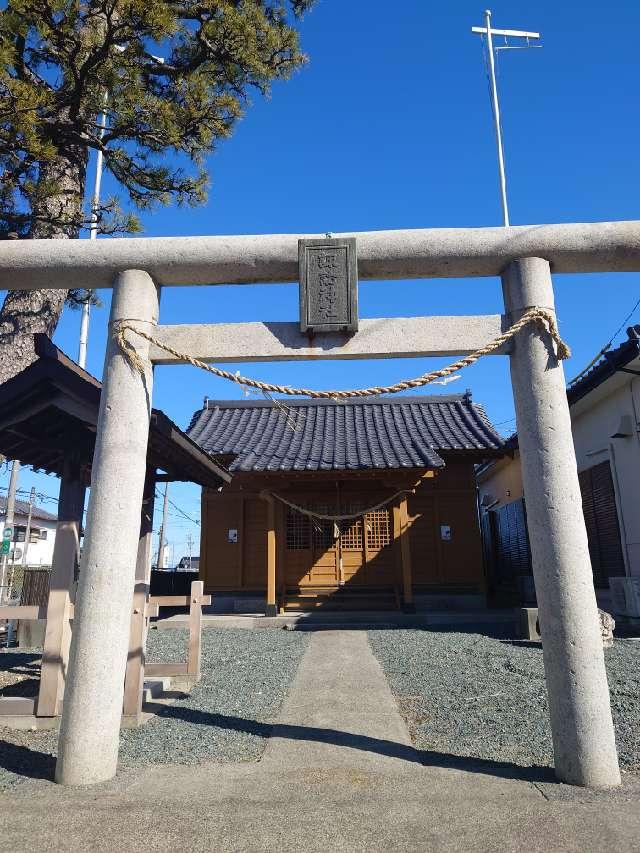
<point>339,774</point>
<point>340,713</point>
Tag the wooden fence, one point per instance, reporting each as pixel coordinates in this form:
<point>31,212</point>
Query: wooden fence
<point>52,677</point>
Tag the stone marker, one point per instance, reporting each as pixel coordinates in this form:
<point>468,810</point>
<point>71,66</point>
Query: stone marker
<point>607,624</point>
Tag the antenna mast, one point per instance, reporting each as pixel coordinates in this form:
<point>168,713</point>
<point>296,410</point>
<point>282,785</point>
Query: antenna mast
<point>489,32</point>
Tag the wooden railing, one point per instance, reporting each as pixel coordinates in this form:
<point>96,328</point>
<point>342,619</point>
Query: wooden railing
<point>190,669</point>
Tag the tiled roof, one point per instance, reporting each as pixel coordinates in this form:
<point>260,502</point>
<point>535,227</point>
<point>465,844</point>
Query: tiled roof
<point>22,509</point>
<point>611,362</point>
<point>404,432</point>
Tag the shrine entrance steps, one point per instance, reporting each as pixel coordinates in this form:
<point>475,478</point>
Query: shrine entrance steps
<point>341,599</point>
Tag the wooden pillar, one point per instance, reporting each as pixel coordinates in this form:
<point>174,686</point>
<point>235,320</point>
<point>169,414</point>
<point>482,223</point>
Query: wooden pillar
<point>271,608</point>
<point>281,541</point>
<point>134,674</point>
<point>57,638</point>
<point>194,654</point>
<point>401,533</point>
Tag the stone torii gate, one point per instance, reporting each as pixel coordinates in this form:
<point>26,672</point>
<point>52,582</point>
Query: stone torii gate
<point>581,724</point>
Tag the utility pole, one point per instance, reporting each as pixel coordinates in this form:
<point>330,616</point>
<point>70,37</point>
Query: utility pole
<point>93,233</point>
<point>95,204</point>
<point>489,32</point>
<point>32,498</point>
<point>189,546</point>
<point>9,532</point>
<point>163,528</point>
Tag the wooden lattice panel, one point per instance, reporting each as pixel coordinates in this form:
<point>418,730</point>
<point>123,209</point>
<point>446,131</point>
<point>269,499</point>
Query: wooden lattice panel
<point>351,535</point>
<point>324,533</point>
<point>298,531</point>
<point>378,526</point>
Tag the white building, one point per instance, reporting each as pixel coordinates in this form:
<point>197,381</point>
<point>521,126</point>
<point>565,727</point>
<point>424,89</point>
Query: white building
<point>605,422</point>
<point>39,549</point>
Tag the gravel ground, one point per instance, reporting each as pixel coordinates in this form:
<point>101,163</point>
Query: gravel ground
<point>19,673</point>
<point>474,696</point>
<point>226,717</point>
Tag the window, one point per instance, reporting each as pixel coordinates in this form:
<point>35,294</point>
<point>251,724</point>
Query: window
<point>43,534</point>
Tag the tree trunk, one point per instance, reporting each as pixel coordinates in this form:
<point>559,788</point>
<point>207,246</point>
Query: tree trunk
<point>25,313</point>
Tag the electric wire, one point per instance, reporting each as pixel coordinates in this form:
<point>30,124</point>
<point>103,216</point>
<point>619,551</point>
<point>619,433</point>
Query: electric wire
<point>607,346</point>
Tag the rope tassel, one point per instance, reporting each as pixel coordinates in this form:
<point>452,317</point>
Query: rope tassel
<point>542,318</point>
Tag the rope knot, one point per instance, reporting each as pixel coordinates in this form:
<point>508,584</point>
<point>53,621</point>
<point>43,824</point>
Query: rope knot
<point>120,327</point>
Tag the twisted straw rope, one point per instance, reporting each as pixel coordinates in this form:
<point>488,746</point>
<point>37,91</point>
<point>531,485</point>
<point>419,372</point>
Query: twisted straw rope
<point>544,319</point>
<point>347,516</point>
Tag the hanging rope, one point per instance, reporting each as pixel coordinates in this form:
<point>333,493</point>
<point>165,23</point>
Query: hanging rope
<point>542,318</point>
<point>346,516</point>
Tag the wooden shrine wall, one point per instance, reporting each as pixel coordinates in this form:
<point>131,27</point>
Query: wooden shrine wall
<point>444,533</point>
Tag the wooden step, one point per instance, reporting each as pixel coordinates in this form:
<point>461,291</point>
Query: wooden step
<point>340,599</point>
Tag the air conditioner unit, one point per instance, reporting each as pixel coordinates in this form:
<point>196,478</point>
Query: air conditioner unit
<point>625,596</point>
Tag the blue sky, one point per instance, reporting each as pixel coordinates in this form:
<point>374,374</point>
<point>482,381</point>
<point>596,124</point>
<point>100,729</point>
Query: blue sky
<point>389,126</point>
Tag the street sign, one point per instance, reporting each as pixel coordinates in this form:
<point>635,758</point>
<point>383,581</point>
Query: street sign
<point>4,547</point>
<point>7,533</point>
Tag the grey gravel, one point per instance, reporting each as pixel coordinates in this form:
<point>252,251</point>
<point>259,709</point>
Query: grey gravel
<point>19,672</point>
<point>226,717</point>
<point>469,695</point>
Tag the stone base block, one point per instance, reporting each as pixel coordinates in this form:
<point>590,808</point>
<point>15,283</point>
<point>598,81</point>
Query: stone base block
<point>528,623</point>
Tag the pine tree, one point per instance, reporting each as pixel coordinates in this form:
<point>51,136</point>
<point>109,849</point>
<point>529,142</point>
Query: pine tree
<point>173,77</point>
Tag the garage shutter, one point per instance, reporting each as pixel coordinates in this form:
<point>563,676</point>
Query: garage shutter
<point>601,519</point>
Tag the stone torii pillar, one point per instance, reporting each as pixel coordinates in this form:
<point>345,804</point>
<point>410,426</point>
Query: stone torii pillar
<point>581,725</point>
<point>92,707</point>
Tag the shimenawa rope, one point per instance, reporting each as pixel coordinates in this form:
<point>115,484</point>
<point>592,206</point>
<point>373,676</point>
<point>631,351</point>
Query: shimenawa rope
<point>544,319</point>
<point>346,517</point>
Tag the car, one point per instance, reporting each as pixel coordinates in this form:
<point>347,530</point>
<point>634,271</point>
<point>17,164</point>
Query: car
<point>188,564</point>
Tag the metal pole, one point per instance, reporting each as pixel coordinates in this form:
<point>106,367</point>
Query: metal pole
<point>8,522</point>
<point>93,234</point>
<point>163,528</point>
<point>32,497</point>
<point>496,117</point>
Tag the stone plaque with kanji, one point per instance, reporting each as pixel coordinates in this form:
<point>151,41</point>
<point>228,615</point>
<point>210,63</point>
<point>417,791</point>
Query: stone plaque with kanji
<point>328,285</point>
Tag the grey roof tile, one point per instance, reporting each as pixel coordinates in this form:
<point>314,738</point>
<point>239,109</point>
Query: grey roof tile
<point>402,432</point>
<point>22,510</point>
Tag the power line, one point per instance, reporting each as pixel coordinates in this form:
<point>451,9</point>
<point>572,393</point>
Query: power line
<point>179,510</point>
<point>608,345</point>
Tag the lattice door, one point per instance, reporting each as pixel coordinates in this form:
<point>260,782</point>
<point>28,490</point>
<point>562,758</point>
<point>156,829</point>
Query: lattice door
<point>378,525</point>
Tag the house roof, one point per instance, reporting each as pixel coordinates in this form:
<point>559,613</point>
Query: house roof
<point>325,435</point>
<point>611,362</point>
<point>49,411</point>
<point>22,509</point>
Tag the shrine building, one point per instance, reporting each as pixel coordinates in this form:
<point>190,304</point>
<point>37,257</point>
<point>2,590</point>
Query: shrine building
<point>403,469</point>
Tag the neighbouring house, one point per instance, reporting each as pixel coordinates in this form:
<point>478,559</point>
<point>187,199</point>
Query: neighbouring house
<point>401,469</point>
<point>39,550</point>
<point>605,407</point>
